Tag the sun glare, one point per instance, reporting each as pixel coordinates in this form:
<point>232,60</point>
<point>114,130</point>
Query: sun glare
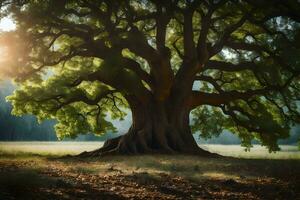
<point>7,24</point>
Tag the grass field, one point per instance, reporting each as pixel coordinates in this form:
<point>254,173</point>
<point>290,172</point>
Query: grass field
<point>35,170</point>
<point>72,148</point>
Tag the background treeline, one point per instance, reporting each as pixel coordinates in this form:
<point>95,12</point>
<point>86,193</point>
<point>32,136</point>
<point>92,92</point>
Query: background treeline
<point>26,128</point>
<point>21,128</point>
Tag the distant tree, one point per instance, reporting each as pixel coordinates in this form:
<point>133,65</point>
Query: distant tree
<point>234,63</point>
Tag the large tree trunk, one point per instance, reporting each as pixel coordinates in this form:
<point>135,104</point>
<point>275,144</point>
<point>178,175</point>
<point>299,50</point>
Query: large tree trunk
<point>156,128</point>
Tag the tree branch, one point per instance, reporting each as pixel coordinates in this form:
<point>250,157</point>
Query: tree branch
<point>229,67</point>
<point>214,99</point>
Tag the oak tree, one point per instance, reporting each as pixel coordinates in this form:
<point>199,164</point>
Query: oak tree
<point>233,64</point>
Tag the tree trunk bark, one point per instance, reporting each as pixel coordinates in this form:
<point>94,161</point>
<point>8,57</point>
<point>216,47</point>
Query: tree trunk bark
<point>156,128</point>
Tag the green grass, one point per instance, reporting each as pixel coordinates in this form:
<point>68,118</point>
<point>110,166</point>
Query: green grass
<point>257,152</point>
<point>46,148</point>
<point>72,148</point>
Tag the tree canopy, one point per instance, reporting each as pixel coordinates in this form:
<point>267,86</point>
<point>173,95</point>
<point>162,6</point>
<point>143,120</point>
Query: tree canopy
<point>235,63</point>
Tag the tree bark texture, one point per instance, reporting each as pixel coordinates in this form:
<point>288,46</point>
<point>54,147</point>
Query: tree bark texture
<point>157,128</point>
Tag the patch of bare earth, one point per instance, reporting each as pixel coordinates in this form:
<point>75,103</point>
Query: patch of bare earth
<point>56,180</point>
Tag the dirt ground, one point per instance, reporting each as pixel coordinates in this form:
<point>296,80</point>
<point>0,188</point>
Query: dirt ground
<point>150,177</point>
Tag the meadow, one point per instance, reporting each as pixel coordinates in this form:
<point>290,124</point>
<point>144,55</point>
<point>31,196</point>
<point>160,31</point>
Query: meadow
<point>73,148</point>
<point>37,170</point>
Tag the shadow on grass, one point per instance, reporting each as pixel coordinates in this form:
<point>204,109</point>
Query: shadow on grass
<point>21,184</point>
<point>32,184</point>
<point>195,167</point>
<point>180,175</point>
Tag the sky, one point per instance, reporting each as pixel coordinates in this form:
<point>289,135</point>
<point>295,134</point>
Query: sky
<point>7,24</point>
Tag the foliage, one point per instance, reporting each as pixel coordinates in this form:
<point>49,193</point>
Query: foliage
<point>79,61</point>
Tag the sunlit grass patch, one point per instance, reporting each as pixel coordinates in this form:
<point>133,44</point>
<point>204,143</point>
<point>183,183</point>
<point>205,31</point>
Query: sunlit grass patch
<point>257,152</point>
<point>87,169</point>
<point>47,148</point>
<point>72,148</point>
<point>218,175</point>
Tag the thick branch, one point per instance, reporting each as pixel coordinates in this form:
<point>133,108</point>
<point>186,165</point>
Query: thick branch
<point>135,67</point>
<point>214,99</point>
